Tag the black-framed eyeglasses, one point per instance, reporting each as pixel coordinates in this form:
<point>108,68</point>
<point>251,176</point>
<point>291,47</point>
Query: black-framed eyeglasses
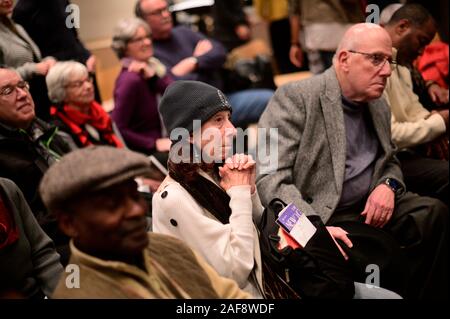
<point>158,12</point>
<point>377,59</point>
<point>140,39</point>
<point>78,84</point>
<point>9,89</point>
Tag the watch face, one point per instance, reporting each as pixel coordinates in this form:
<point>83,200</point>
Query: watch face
<point>393,183</point>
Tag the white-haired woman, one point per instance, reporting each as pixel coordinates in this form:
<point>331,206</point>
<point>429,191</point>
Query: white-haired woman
<point>75,111</point>
<point>140,81</point>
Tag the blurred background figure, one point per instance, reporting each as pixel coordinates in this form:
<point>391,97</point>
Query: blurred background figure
<point>276,13</point>
<point>141,80</point>
<point>321,25</point>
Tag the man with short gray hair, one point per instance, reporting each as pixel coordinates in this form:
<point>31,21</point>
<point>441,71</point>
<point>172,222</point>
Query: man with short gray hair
<point>336,160</point>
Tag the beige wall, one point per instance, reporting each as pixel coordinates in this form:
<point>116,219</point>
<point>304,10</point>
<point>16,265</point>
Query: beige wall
<point>98,18</point>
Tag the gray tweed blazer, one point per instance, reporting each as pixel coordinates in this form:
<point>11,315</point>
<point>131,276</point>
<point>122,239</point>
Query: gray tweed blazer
<point>312,145</point>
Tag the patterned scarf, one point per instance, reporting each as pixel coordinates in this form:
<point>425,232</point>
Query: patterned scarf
<point>79,124</point>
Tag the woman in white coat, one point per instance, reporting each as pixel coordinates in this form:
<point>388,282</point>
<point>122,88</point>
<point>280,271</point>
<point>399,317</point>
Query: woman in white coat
<point>190,202</point>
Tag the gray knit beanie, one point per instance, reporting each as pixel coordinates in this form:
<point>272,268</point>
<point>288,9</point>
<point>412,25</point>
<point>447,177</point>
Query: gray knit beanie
<point>186,101</point>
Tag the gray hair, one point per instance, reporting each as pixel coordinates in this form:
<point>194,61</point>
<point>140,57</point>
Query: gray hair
<point>59,76</point>
<point>124,32</point>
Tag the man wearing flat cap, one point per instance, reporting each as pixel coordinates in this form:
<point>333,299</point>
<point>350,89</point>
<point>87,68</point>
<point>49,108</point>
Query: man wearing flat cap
<point>94,196</point>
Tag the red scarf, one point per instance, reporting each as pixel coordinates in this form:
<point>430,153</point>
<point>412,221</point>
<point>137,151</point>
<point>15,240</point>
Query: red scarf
<point>9,233</point>
<point>97,118</point>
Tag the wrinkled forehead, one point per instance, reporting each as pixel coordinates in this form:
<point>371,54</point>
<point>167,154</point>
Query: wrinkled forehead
<point>374,41</point>
<point>8,76</point>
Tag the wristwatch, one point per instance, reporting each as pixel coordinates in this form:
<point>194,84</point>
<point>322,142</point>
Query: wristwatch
<point>393,184</point>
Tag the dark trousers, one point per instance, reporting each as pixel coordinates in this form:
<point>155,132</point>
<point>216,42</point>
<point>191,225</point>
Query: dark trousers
<point>425,176</point>
<point>419,225</point>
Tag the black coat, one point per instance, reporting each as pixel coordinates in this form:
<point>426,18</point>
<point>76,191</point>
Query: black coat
<point>24,162</point>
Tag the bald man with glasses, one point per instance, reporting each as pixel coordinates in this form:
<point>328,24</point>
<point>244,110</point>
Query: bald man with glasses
<point>336,160</point>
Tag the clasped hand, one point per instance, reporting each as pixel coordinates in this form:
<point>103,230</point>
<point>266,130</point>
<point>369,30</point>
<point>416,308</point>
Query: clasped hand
<point>240,169</point>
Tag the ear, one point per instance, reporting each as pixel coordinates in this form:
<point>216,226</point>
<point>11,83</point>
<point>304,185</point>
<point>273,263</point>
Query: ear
<point>343,59</point>
<point>66,224</point>
<point>402,27</point>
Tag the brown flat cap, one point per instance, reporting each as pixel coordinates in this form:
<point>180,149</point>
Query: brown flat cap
<point>90,169</point>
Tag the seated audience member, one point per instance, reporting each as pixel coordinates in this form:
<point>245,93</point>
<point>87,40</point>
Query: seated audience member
<point>18,51</point>
<point>140,81</point>
<point>46,24</point>
<point>429,71</point>
<point>191,56</point>
<point>93,194</point>
<point>76,113</point>
<point>29,264</point>
<point>226,236</point>
<point>213,209</point>
<point>414,128</point>
<point>28,145</point>
<point>336,160</point>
